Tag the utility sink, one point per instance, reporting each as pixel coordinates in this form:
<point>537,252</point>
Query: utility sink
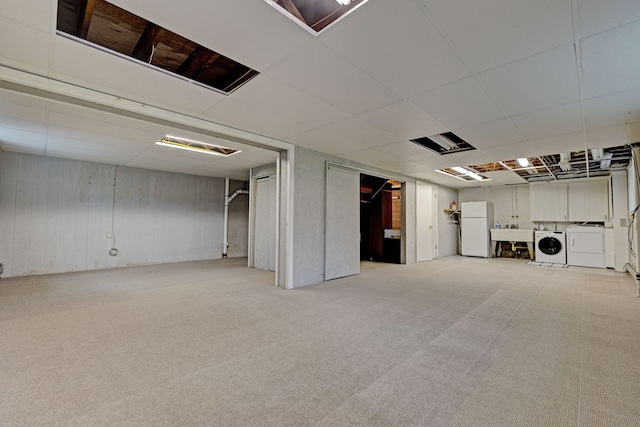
<point>512,234</point>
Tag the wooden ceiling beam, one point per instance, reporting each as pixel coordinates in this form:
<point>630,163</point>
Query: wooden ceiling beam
<point>200,58</point>
<point>150,38</point>
<point>292,9</point>
<point>86,13</point>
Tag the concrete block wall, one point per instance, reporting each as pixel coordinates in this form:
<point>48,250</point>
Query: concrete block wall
<point>55,216</point>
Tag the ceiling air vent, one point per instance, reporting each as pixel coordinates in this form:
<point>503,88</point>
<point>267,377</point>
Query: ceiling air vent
<point>444,143</point>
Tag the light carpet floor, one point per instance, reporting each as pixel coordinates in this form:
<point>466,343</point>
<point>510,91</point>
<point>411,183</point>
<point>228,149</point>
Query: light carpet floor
<point>451,342</point>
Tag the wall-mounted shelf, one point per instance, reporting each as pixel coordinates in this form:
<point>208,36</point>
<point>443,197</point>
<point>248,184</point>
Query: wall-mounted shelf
<point>453,214</point>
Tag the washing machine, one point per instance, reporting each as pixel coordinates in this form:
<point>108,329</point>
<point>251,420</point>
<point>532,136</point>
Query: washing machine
<point>551,247</point>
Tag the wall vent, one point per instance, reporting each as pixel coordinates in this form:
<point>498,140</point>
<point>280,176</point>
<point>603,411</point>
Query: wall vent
<point>444,143</point>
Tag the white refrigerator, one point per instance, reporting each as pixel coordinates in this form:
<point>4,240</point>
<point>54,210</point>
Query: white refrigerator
<point>477,219</point>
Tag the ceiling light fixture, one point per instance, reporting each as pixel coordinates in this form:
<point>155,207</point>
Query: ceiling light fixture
<point>197,146</point>
<point>605,163</point>
<point>524,162</point>
<point>467,172</point>
<point>597,153</point>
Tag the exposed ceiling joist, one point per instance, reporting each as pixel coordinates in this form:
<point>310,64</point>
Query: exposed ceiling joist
<point>199,59</point>
<point>151,36</point>
<point>86,13</point>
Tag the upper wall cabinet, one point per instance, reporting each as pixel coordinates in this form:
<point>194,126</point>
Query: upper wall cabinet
<point>576,201</point>
<point>549,202</point>
<point>589,201</point>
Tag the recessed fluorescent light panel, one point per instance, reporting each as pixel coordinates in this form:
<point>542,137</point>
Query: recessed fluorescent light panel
<point>197,146</point>
<point>444,143</point>
<point>463,174</point>
<point>317,15</point>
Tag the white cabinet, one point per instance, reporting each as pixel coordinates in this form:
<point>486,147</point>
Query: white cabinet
<point>575,201</point>
<point>549,202</point>
<point>589,201</point>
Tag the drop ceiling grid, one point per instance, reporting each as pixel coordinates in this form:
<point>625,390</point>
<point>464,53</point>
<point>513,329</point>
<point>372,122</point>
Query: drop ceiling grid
<point>537,82</point>
<point>554,121</point>
<point>118,76</point>
<point>487,134</point>
<point>397,45</point>
<point>406,150</point>
<point>345,136</point>
<point>404,120</point>
<point>611,110</point>
<point>597,16</point>
<point>458,104</point>
<point>249,32</point>
<point>508,151</point>
<point>271,95</point>
<point>492,33</point>
<point>248,117</point>
<point>321,73</point>
<point>611,60</point>
<point>32,51</point>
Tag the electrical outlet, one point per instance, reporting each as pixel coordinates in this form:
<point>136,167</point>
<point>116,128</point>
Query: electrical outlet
<point>109,235</point>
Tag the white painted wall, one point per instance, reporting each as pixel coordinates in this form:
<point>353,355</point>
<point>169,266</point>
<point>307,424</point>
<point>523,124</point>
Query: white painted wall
<point>447,227</point>
<point>55,215</point>
<point>309,215</point>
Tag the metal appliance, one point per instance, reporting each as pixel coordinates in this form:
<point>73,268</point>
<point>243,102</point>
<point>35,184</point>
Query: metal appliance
<point>585,246</point>
<point>551,247</point>
<point>477,218</point>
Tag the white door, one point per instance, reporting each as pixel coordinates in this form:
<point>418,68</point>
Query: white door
<point>425,222</point>
<point>342,238</point>
<point>264,256</point>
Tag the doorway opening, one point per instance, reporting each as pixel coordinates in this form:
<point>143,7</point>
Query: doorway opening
<point>380,220</point>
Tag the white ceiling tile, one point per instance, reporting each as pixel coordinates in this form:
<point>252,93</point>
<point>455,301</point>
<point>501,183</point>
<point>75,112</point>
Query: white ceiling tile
<point>611,110</point>
<point>270,95</point>
<point>30,116</point>
<point>378,37</point>
<point>508,151</point>
<point>404,120</point>
<point>504,177</point>
<point>534,83</point>
<point>611,61</point>
<point>31,53</point>
<point>614,136</point>
<point>253,119</point>
<point>86,155</point>
<point>494,32</point>
<point>22,141</point>
<point>559,120</point>
<point>22,124</point>
<point>407,168</point>
<point>345,136</point>
<point>597,16</point>
<point>406,150</point>
<point>22,99</point>
<point>369,157</point>
<point>458,104</point>
<point>32,13</point>
<point>322,73</point>
<point>488,134</point>
<point>558,144</point>
<point>71,144</point>
<point>95,69</point>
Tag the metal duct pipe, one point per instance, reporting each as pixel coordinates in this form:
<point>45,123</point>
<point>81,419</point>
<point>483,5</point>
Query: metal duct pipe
<point>635,154</point>
<point>228,199</point>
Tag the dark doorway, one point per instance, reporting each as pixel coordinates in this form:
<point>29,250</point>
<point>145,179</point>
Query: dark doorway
<point>380,219</point>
